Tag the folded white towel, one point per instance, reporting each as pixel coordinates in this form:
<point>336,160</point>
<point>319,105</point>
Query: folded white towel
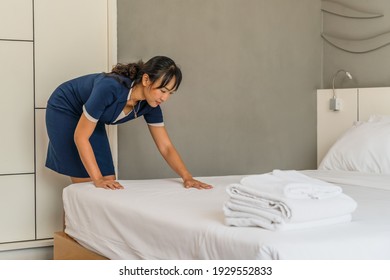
<point>244,219</point>
<point>275,205</point>
<point>283,198</point>
<point>293,184</point>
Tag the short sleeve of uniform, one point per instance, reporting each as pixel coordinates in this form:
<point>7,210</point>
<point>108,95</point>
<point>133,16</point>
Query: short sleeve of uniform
<point>155,117</point>
<point>103,94</point>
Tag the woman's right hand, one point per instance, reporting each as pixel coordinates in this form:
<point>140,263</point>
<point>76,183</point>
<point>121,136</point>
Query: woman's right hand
<point>108,184</point>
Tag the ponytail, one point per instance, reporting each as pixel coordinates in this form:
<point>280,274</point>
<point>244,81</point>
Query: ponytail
<point>130,70</point>
<point>155,68</point>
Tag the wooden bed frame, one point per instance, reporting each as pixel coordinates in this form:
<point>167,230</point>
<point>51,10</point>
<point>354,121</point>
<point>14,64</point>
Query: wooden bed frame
<point>66,248</point>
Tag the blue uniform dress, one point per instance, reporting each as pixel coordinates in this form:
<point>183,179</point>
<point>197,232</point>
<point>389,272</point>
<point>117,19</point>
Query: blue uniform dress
<point>102,98</point>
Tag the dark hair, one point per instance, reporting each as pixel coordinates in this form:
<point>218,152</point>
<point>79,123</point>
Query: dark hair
<point>156,67</point>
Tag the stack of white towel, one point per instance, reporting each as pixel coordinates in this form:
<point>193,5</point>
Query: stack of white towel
<point>283,200</point>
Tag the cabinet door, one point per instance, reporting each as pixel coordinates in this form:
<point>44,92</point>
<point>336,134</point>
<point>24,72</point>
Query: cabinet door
<point>17,208</point>
<point>16,19</point>
<point>49,186</point>
<point>16,107</point>
<point>70,40</point>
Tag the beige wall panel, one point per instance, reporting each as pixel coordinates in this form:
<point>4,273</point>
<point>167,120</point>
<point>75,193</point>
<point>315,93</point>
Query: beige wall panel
<point>16,19</point>
<point>70,40</point>
<point>17,204</point>
<point>373,101</point>
<point>16,107</point>
<point>332,124</point>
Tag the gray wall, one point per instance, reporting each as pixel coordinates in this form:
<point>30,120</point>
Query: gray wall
<point>247,103</point>
<point>371,69</point>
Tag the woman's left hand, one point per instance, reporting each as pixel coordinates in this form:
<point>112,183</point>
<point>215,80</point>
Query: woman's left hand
<point>192,183</point>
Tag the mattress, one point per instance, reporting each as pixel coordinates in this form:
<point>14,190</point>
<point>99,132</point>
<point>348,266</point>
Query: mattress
<point>159,219</point>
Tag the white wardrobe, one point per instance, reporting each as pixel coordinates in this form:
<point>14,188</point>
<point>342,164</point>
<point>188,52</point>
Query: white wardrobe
<point>42,44</point>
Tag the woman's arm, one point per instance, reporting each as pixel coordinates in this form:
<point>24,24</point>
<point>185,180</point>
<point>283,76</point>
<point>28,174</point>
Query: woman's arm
<point>82,134</point>
<point>172,157</point>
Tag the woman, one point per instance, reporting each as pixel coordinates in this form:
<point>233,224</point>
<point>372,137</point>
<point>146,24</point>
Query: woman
<point>78,110</point>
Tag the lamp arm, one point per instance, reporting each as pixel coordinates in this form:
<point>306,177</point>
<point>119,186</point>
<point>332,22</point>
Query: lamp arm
<point>334,78</point>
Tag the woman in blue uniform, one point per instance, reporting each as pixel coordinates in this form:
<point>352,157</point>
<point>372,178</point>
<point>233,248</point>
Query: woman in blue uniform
<point>79,109</point>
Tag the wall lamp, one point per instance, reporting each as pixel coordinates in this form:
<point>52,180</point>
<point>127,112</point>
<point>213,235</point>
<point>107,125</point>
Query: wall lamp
<point>335,103</point>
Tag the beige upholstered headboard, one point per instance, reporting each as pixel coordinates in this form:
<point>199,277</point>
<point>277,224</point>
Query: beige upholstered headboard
<point>357,104</point>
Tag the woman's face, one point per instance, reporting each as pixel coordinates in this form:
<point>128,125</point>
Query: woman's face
<point>154,95</point>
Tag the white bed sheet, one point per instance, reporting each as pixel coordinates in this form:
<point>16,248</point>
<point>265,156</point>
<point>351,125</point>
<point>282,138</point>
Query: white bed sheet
<point>159,219</point>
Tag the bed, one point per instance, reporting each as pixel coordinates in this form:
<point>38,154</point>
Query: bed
<point>159,219</point>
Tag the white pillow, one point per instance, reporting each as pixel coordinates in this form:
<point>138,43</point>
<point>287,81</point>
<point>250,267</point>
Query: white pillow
<point>365,147</point>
